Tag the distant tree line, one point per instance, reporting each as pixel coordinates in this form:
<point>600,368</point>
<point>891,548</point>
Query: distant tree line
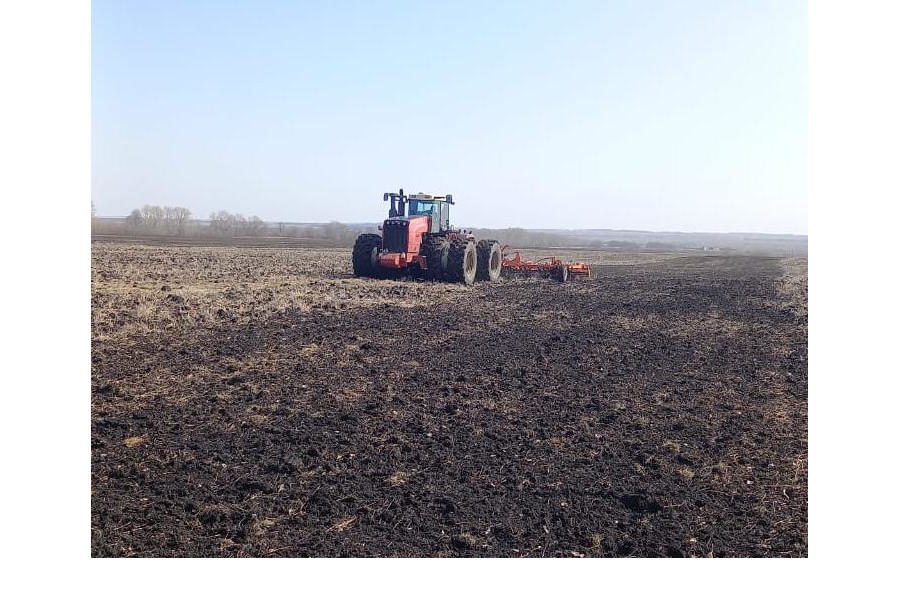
<point>171,220</point>
<point>225,224</point>
<point>177,221</point>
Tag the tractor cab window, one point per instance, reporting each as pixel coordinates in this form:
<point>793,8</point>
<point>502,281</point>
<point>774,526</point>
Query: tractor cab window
<point>419,207</point>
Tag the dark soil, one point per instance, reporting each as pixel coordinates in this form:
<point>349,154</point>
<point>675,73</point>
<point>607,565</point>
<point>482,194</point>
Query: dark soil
<point>657,410</point>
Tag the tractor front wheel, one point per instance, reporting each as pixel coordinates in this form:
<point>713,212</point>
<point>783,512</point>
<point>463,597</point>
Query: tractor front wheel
<point>365,255</point>
<point>462,262</point>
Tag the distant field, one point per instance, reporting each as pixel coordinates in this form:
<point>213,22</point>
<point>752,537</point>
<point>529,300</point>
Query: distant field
<point>252,401</point>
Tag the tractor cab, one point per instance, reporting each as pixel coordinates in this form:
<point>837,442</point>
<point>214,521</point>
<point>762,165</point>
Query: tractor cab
<point>436,208</point>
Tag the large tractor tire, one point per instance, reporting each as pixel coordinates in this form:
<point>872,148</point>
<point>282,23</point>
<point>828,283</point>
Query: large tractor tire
<point>462,262</point>
<point>436,250</point>
<point>490,260</point>
<point>365,255</point>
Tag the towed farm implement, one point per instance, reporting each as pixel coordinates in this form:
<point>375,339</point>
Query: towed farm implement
<point>550,266</point>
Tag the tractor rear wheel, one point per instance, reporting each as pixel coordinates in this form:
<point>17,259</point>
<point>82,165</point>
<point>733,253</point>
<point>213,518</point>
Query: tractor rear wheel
<point>436,250</point>
<point>490,260</point>
<point>462,262</point>
<point>365,255</point>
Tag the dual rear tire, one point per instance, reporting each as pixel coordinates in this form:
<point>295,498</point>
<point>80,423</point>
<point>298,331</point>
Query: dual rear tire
<point>462,262</point>
<point>490,260</point>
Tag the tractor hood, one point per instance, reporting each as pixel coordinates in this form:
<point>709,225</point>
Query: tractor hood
<point>403,221</point>
<point>404,234</point>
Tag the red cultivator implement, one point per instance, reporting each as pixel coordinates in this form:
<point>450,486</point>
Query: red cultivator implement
<point>544,267</point>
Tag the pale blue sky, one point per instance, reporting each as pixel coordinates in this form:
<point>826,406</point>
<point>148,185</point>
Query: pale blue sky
<point>680,116</point>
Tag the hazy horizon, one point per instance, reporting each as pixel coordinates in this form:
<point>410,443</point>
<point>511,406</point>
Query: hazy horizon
<point>584,115</point>
<point>378,221</point>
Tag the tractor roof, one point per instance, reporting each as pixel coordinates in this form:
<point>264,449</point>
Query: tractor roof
<point>420,196</point>
<point>431,197</point>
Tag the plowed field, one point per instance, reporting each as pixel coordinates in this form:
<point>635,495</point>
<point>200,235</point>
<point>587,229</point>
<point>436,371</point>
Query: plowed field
<point>262,402</point>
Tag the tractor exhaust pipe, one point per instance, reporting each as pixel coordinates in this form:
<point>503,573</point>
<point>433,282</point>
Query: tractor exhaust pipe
<point>398,204</point>
<point>393,211</point>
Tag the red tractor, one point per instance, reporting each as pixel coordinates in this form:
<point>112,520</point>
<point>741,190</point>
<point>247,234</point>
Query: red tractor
<point>420,241</point>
